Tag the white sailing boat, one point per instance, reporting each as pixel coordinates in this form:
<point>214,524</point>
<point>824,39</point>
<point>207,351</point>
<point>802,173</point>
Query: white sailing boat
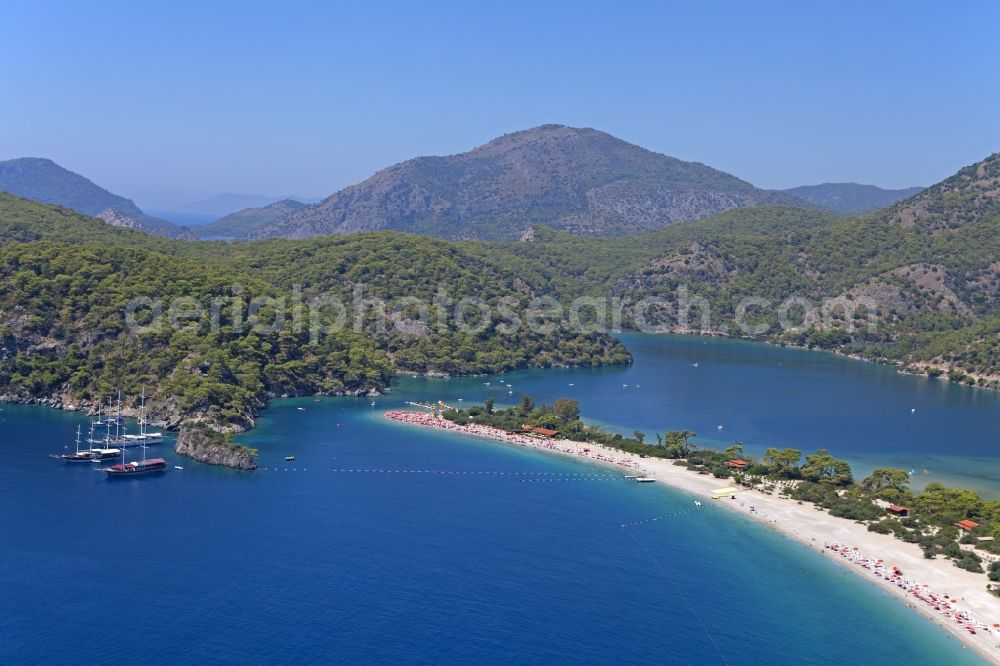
<point>106,451</point>
<point>78,455</point>
<point>136,467</point>
<point>144,437</point>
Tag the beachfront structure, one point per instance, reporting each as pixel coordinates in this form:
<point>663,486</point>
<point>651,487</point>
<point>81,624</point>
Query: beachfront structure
<point>897,510</point>
<point>967,525</point>
<point>544,432</point>
<point>737,463</point>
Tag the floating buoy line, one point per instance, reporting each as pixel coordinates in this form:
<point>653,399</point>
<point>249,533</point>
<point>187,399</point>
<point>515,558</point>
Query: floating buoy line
<point>682,512</point>
<point>524,476</point>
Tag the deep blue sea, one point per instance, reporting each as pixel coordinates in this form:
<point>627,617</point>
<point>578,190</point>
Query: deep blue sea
<point>454,562</point>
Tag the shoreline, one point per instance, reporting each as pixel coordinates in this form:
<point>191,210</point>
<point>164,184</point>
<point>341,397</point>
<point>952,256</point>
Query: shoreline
<point>803,523</point>
<point>913,368</point>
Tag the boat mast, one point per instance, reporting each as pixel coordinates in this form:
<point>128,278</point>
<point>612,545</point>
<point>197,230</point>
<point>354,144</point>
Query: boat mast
<point>142,415</point>
<point>121,444</point>
<point>78,439</point>
<point>107,428</point>
<point>118,419</point>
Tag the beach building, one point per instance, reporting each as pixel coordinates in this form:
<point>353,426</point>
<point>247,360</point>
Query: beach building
<point>737,463</point>
<point>897,510</point>
<point>967,525</point>
<point>544,432</point>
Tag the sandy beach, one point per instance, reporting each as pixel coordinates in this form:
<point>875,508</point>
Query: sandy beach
<point>951,597</point>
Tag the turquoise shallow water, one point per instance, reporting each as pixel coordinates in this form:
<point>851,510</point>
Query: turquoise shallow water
<point>205,564</point>
<point>768,396</point>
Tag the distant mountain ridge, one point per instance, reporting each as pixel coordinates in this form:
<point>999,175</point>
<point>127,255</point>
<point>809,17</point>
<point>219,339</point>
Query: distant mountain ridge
<point>43,180</point>
<point>926,266</point>
<point>851,198</point>
<point>242,223</point>
<point>583,181</point>
<point>228,203</point>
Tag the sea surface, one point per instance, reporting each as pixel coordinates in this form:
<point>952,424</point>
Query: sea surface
<point>448,549</point>
<point>763,396</point>
<point>185,219</point>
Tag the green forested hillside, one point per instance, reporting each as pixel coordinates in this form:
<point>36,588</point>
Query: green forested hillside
<point>67,281</point>
<point>929,265</point>
<point>570,266</point>
<point>43,180</point>
<point>244,222</point>
<point>63,332</point>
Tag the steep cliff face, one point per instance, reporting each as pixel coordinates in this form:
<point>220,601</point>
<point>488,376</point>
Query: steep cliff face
<point>198,442</point>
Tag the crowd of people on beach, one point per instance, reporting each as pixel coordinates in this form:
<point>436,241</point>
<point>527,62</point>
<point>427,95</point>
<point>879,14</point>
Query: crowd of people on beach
<point>592,452</point>
<point>893,574</point>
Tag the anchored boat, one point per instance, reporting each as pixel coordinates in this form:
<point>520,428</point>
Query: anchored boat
<point>78,455</point>
<point>104,454</point>
<point>143,437</point>
<point>136,467</point>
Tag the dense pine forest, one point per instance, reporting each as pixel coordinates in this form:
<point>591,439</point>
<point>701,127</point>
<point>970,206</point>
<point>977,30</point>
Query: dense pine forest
<point>928,263</point>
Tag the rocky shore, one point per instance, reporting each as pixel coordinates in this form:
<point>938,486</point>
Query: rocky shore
<point>199,442</point>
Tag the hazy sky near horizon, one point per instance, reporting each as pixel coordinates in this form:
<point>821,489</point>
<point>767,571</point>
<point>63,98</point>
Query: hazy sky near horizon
<point>168,102</point>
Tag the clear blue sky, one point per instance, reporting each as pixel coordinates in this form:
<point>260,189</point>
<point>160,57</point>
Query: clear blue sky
<point>168,102</point>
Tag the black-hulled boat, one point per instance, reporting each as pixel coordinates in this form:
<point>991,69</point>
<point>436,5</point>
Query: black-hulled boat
<point>78,455</point>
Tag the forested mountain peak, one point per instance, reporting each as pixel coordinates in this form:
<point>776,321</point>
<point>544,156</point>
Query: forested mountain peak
<point>579,180</point>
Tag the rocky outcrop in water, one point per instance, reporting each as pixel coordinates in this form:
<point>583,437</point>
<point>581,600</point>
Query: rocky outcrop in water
<point>199,442</point>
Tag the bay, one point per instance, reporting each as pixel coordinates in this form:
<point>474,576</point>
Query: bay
<point>453,549</point>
